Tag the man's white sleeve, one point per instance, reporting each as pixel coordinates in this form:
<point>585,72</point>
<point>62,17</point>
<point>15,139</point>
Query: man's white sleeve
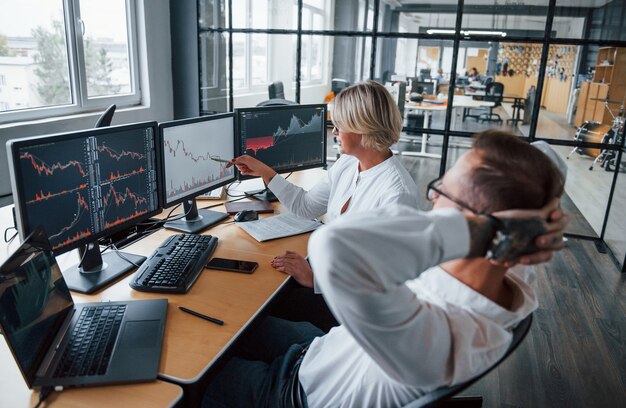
<point>361,263</point>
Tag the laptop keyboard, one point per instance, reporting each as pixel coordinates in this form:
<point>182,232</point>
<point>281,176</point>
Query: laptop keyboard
<point>91,342</point>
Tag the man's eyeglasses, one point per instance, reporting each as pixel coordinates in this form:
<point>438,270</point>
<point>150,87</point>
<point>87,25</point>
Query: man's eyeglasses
<point>435,186</point>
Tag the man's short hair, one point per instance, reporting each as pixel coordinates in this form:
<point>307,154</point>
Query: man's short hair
<point>369,110</point>
<point>511,174</point>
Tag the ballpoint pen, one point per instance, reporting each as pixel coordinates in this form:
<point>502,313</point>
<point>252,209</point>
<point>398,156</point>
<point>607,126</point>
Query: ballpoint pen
<point>219,159</point>
<point>202,316</point>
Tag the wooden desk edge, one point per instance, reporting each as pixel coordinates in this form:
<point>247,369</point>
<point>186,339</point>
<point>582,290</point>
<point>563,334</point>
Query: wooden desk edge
<point>193,380</point>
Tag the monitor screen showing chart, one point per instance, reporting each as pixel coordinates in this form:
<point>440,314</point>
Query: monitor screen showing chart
<point>83,185</point>
<point>195,156</point>
<point>286,138</point>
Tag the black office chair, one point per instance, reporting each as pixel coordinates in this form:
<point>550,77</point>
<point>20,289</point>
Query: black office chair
<point>487,80</point>
<point>444,396</point>
<point>106,118</point>
<point>276,90</point>
<point>276,102</point>
<point>337,85</point>
<point>494,92</point>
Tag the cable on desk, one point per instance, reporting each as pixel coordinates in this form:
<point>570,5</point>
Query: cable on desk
<point>227,188</point>
<point>44,394</point>
<point>9,240</point>
<point>117,251</point>
<point>169,217</point>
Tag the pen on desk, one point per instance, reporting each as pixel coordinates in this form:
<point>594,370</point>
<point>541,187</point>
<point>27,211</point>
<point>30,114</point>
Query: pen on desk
<point>202,316</point>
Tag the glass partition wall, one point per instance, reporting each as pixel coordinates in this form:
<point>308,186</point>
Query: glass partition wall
<point>552,70</point>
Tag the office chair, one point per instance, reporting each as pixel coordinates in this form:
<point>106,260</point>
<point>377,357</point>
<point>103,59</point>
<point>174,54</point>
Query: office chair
<point>276,90</point>
<point>444,396</point>
<point>494,92</point>
<point>487,80</point>
<point>338,85</point>
<point>276,102</point>
<point>106,118</point>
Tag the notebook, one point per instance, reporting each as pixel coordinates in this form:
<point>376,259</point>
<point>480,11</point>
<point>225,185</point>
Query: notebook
<point>215,194</point>
<point>58,343</point>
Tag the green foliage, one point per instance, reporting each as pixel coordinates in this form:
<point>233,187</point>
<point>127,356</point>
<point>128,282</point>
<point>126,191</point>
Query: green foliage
<point>4,46</point>
<point>52,69</point>
<point>99,69</point>
<point>53,72</point>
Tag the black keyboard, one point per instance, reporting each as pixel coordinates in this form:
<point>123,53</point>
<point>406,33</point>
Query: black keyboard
<point>91,342</point>
<point>176,264</point>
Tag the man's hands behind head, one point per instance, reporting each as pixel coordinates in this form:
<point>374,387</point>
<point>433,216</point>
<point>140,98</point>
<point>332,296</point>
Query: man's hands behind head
<point>528,236</point>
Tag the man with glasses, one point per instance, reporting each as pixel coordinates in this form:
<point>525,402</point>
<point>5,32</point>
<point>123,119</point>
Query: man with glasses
<point>424,299</point>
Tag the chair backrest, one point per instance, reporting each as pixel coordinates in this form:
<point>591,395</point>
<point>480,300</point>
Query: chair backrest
<point>338,85</point>
<point>494,92</point>
<point>106,118</point>
<point>440,395</point>
<point>276,102</point>
<point>276,90</point>
<point>488,80</point>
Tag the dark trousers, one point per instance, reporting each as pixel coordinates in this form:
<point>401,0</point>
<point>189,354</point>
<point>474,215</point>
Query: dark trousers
<point>300,304</point>
<point>262,372</point>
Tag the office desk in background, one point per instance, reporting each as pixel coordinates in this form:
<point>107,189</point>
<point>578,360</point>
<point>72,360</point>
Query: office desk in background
<point>459,101</point>
<point>191,345</point>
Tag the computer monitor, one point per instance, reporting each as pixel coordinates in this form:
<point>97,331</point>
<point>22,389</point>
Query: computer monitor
<point>286,138</point>
<point>195,153</point>
<point>425,86</point>
<point>425,73</point>
<point>85,185</point>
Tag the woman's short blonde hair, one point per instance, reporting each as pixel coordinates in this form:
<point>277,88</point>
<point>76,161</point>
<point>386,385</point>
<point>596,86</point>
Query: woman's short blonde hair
<point>369,110</point>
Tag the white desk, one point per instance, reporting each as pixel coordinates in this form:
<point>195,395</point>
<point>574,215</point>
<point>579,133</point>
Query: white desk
<point>427,108</point>
<point>459,101</point>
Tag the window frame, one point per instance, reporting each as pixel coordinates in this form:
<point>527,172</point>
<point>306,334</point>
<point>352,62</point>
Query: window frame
<point>313,11</point>
<point>80,102</point>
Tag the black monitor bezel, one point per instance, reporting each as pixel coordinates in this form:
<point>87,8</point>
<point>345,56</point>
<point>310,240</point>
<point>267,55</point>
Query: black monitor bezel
<point>239,150</point>
<point>179,122</point>
<point>16,174</point>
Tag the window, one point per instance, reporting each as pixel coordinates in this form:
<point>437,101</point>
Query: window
<point>250,51</point>
<point>312,68</point>
<point>56,67</point>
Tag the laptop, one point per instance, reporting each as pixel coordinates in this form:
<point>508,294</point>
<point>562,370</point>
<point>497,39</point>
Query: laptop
<point>58,343</point>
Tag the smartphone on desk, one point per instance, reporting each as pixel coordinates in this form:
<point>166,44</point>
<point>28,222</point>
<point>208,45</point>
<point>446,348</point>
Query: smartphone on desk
<point>232,265</point>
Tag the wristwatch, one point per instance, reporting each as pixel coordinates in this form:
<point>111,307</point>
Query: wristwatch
<point>514,237</point>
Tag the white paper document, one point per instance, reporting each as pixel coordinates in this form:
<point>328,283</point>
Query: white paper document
<point>278,226</point>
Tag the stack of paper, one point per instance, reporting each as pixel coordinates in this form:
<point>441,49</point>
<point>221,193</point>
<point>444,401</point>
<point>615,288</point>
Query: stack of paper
<point>278,226</point>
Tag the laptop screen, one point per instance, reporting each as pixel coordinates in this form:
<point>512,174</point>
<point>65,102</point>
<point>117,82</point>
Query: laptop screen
<point>34,301</point>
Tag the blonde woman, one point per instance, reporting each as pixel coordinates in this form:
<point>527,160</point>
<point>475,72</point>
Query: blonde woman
<point>366,176</point>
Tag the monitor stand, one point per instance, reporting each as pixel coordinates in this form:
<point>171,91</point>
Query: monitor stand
<point>97,270</point>
<point>264,194</point>
<point>195,220</point>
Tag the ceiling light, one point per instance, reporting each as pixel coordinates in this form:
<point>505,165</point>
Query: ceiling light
<point>466,32</point>
<point>472,32</point>
<point>435,31</point>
